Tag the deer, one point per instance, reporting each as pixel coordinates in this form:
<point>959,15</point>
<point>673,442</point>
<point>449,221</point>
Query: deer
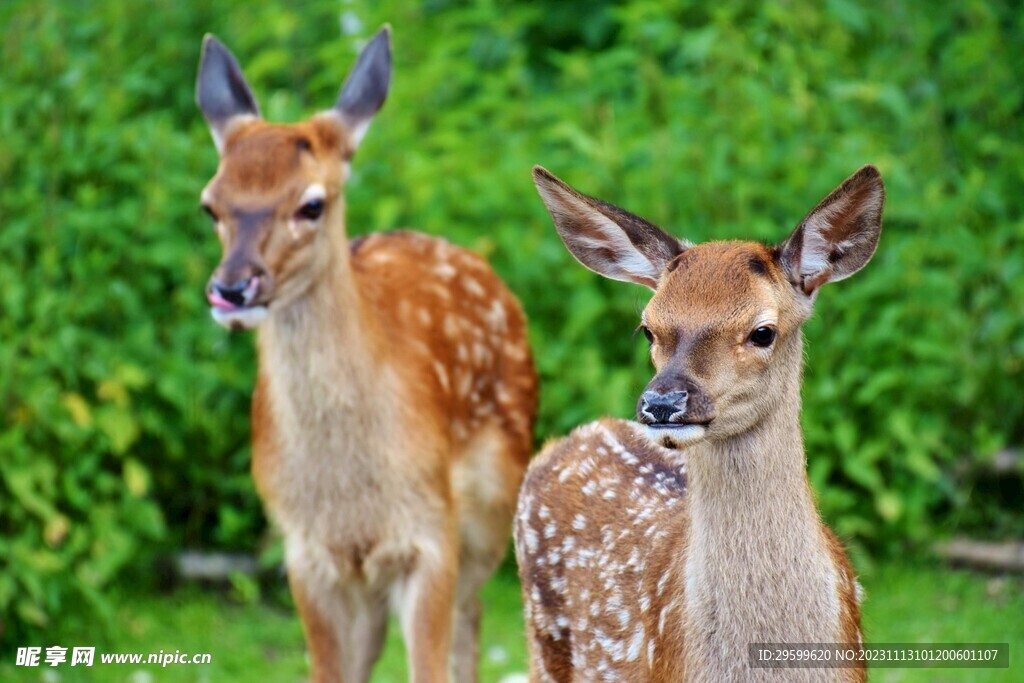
<point>660,549</point>
<point>395,392</point>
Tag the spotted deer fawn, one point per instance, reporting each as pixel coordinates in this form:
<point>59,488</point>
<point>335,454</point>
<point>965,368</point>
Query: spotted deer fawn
<point>395,396</point>
<point>659,551</point>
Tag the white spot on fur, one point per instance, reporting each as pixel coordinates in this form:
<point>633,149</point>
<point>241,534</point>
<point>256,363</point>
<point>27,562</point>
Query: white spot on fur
<point>495,317</point>
<point>445,271</point>
<point>463,383</point>
<point>452,327</point>
<point>473,287</point>
<point>381,256</point>
<point>516,351</point>
<point>633,653</point>
<point>480,353</point>
<point>532,541</point>
<point>442,375</point>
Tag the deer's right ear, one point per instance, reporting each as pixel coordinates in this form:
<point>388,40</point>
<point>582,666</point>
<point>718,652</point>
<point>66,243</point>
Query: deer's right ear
<point>221,91</point>
<point>604,238</point>
<point>366,86</point>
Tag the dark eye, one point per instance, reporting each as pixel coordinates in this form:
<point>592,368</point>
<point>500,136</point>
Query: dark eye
<point>311,210</point>
<point>210,212</point>
<point>647,333</point>
<point>762,336</point>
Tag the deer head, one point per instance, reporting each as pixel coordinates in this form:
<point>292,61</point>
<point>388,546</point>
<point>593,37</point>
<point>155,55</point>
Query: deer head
<point>724,322</point>
<point>277,194</point>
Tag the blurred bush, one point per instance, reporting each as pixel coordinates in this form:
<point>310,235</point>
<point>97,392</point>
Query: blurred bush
<point>124,410</point>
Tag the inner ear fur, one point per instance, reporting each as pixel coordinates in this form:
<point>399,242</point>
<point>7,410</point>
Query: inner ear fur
<point>605,238</point>
<point>839,236</point>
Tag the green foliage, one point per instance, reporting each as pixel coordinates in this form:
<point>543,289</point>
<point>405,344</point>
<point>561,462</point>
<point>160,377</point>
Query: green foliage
<point>124,411</point>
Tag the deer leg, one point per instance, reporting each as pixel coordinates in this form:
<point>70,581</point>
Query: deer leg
<point>345,629</point>
<point>425,598</point>
<point>475,569</point>
<point>319,621</point>
<point>366,633</point>
<point>466,646</point>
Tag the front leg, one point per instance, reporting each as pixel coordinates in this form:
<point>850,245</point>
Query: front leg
<point>318,622</point>
<point>474,571</point>
<point>345,622</point>
<point>466,648</point>
<point>426,597</point>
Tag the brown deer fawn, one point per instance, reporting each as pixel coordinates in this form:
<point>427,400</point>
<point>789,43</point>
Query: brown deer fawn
<point>395,398</point>
<point>660,551</point>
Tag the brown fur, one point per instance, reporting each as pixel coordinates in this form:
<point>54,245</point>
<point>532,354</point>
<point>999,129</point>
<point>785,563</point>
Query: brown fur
<point>393,412</point>
<point>648,563</point>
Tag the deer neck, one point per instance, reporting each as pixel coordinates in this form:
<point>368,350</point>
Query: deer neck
<point>757,568</point>
<point>317,358</point>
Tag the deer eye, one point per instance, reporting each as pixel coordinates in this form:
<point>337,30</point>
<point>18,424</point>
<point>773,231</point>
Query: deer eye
<point>763,336</point>
<point>311,210</point>
<point>648,334</point>
<point>210,212</point>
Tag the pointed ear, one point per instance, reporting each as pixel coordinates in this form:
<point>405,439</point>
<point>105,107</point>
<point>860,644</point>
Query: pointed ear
<point>839,236</point>
<point>221,91</point>
<point>366,86</point>
<point>605,238</point>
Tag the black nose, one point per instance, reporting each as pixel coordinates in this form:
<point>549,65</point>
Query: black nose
<point>658,408</point>
<point>237,292</point>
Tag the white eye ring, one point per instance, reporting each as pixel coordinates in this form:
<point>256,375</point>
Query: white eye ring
<point>313,193</point>
<point>312,205</point>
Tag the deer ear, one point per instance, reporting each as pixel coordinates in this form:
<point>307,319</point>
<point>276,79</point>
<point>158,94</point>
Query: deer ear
<point>221,91</point>
<point>839,236</point>
<point>366,87</point>
<point>604,238</point>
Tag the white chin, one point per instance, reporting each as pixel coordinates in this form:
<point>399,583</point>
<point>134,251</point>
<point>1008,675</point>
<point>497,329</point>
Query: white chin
<point>240,318</point>
<point>676,437</point>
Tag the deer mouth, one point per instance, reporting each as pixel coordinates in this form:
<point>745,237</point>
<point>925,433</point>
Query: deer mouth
<point>237,310</point>
<point>234,316</point>
<point>239,317</point>
<point>677,435</point>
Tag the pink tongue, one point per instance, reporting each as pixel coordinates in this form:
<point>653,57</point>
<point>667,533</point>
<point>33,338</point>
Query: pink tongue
<point>217,301</point>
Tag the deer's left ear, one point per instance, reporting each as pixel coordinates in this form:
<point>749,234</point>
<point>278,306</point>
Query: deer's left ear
<point>366,86</point>
<point>221,91</point>
<point>839,236</point>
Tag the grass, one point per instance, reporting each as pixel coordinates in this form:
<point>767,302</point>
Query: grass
<point>906,603</point>
<point>934,604</point>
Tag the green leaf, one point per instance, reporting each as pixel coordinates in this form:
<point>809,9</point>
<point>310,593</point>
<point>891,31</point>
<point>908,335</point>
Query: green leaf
<point>119,425</point>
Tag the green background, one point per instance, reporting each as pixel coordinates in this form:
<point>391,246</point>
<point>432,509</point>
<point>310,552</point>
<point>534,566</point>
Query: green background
<point>124,409</point>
